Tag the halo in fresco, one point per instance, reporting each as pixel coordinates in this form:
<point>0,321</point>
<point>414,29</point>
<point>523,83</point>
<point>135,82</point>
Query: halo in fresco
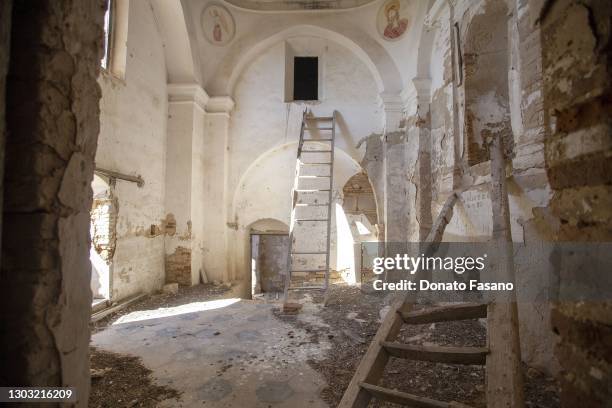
<point>391,21</point>
<point>218,24</point>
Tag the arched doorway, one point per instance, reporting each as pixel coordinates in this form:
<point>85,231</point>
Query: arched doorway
<point>358,229</point>
<point>269,245</point>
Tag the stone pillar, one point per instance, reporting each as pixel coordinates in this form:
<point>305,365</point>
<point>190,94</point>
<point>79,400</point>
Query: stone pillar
<point>423,128</point>
<point>185,183</point>
<point>216,197</point>
<point>52,121</point>
<point>395,164</point>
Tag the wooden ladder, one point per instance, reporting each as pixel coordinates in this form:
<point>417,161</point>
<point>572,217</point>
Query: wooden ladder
<point>307,262</point>
<point>364,384</point>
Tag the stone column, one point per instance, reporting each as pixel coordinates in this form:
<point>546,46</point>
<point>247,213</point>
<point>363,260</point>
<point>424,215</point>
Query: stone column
<point>216,197</point>
<point>185,183</point>
<point>396,203</point>
<point>52,124</point>
<point>423,128</point>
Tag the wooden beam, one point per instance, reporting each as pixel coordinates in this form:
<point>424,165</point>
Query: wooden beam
<point>461,311</point>
<point>373,363</point>
<point>402,398</point>
<point>504,377</point>
<point>438,354</point>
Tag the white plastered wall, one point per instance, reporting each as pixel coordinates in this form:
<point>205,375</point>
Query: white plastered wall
<point>133,141</point>
<point>264,131</point>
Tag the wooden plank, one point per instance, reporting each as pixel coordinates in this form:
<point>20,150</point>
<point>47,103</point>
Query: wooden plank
<point>504,376</point>
<point>113,309</point>
<point>462,311</point>
<point>373,363</point>
<point>402,398</point>
<point>438,354</point>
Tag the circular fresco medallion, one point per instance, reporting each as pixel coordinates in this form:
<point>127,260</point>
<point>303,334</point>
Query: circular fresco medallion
<point>391,21</point>
<point>218,24</point>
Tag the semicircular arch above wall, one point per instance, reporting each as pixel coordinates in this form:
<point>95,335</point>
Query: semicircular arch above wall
<point>243,51</point>
<point>264,192</point>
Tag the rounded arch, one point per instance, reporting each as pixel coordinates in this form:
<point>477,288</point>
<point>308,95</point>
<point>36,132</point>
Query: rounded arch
<point>183,65</point>
<point>359,197</point>
<point>426,42</point>
<point>379,62</point>
<point>268,226</point>
<point>282,158</point>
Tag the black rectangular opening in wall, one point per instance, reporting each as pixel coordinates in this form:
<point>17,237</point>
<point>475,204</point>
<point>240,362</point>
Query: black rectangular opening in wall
<point>305,78</point>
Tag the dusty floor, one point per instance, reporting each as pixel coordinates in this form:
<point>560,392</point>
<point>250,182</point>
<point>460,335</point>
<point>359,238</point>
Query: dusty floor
<point>218,351</point>
<point>113,379</point>
<point>221,352</point>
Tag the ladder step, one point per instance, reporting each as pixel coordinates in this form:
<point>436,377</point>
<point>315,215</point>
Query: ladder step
<point>319,118</point>
<point>313,164</point>
<point>462,311</point>
<point>318,128</point>
<point>317,140</point>
<point>311,219</point>
<point>438,354</point>
<point>317,151</point>
<point>403,398</point>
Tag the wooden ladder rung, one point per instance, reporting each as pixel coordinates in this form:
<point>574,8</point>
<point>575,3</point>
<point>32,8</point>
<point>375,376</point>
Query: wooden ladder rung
<point>462,311</point>
<point>310,220</point>
<point>318,128</point>
<point>438,354</point>
<point>317,151</point>
<point>318,140</point>
<point>402,398</point>
<point>319,118</point>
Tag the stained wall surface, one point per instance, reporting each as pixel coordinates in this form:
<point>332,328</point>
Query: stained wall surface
<point>52,117</point>
<point>132,140</point>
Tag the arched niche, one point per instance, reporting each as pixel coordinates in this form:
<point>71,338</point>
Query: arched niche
<point>485,68</point>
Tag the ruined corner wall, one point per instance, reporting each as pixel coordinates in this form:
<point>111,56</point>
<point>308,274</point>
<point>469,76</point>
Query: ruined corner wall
<point>52,119</point>
<point>576,56</point>
<point>448,147</point>
<point>132,140</point>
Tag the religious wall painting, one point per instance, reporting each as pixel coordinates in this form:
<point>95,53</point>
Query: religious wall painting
<point>218,24</point>
<point>392,20</point>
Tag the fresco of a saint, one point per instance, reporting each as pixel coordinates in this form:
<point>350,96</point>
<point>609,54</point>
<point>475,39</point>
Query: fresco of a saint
<point>391,24</point>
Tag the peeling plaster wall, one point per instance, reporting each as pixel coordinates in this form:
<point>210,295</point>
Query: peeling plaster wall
<point>264,131</point>
<point>52,123</point>
<point>518,116</point>
<point>577,87</point>
<point>133,141</point>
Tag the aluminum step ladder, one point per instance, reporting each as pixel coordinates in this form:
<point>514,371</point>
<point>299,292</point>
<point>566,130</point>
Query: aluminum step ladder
<point>310,228</point>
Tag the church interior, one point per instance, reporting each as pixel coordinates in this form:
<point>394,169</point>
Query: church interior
<point>194,192</point>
